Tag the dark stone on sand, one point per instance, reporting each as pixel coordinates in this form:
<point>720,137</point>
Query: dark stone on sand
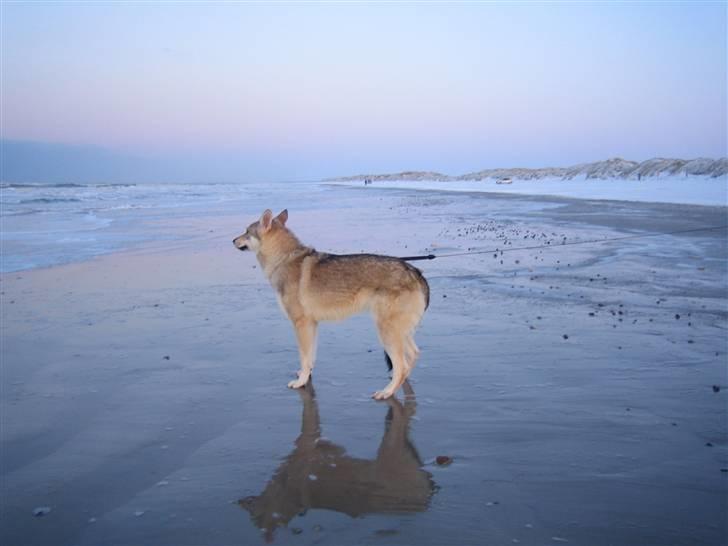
<point>591,314</point>
<point>690,341</point>
<point>708,444</point>
<point>444,295</point>
<point>716,388</point>
<point>565,336</point>
<point>724,469</point>
<point>677,316</point>
<point>296,530</point>
<point>443,460</point>
<point>166,357</point>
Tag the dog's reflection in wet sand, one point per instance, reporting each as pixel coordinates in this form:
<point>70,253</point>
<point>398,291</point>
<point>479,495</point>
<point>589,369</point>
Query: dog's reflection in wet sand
<point>320,474</point>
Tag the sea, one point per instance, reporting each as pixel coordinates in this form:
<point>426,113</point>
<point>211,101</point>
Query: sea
<point>42,225</point>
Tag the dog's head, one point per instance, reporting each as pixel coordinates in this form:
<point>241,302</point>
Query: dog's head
<point>258,231</point>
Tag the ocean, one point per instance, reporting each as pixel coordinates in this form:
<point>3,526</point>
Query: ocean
<point>42,225</point>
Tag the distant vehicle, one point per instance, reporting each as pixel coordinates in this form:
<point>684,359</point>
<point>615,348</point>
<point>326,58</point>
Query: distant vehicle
<point>504,181</point>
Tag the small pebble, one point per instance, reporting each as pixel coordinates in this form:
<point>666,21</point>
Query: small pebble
<point>565,336</point>
<point>166,357</point>
<point>296,530</point>
<point>708,444</point>
<point>41,511</point>
<point>443,460</point>
<point>716,388</point>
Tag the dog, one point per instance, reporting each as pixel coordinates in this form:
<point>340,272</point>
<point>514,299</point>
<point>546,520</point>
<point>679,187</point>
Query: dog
<point>315,286</point>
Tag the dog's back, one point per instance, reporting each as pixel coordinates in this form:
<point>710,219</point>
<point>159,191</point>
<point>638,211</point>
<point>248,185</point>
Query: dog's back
<point>334,286</point>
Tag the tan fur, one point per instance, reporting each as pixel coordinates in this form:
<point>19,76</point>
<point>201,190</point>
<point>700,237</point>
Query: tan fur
<point>314,286</point>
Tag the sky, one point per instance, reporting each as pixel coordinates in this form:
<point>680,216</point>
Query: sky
<point>235,91</point>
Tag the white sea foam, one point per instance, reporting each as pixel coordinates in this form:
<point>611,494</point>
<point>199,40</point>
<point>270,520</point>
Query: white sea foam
<point>46,224</point>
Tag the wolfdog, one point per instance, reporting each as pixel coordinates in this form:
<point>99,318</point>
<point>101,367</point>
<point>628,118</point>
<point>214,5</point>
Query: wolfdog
<point>314,286</point>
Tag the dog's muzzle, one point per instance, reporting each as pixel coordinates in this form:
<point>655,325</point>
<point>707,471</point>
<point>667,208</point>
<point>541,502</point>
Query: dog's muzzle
<point>244,247</point>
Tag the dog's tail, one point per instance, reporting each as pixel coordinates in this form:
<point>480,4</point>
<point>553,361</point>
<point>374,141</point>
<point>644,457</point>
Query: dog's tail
<point>422,281</point>
<point>424,286</point>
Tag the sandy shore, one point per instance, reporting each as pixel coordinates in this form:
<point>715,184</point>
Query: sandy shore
<point>144,401</point>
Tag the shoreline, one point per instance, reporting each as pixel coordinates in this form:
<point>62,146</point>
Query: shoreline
<point>711,192</point>
<point>150,245</point>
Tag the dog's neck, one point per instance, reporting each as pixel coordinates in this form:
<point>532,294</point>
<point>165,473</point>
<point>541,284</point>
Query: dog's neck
<point>278,247</point>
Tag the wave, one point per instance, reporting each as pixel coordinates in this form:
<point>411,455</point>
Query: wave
<point>4,212</point>
<point>50,200</point>
<point>10,186</point>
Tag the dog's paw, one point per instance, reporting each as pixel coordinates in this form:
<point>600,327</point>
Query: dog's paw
<point>298,383</point>
<point>382,395</point>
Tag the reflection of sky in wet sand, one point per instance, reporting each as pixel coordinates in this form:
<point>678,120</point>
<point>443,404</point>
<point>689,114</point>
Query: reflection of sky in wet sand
<point>319,474</point>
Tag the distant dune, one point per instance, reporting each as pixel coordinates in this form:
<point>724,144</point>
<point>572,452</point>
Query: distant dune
<point>610,168</point>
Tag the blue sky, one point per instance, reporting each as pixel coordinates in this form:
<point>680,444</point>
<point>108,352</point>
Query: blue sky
<point>238,91</point>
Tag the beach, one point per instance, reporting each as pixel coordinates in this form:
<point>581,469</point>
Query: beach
<point>573,393</point>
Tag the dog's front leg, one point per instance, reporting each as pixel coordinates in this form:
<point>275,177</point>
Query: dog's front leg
<point>306,335</point>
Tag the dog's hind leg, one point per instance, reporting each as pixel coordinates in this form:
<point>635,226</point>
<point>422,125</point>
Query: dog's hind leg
<point>394,345</point>
<point>412,352</point>
<point>306,335</point>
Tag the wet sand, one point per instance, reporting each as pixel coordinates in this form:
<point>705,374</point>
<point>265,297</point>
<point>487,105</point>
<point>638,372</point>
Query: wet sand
<point>144,401</point>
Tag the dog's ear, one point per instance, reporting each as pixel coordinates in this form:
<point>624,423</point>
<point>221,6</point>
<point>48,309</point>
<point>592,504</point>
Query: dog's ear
<point>283,217</point>
<point>266,220</point>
